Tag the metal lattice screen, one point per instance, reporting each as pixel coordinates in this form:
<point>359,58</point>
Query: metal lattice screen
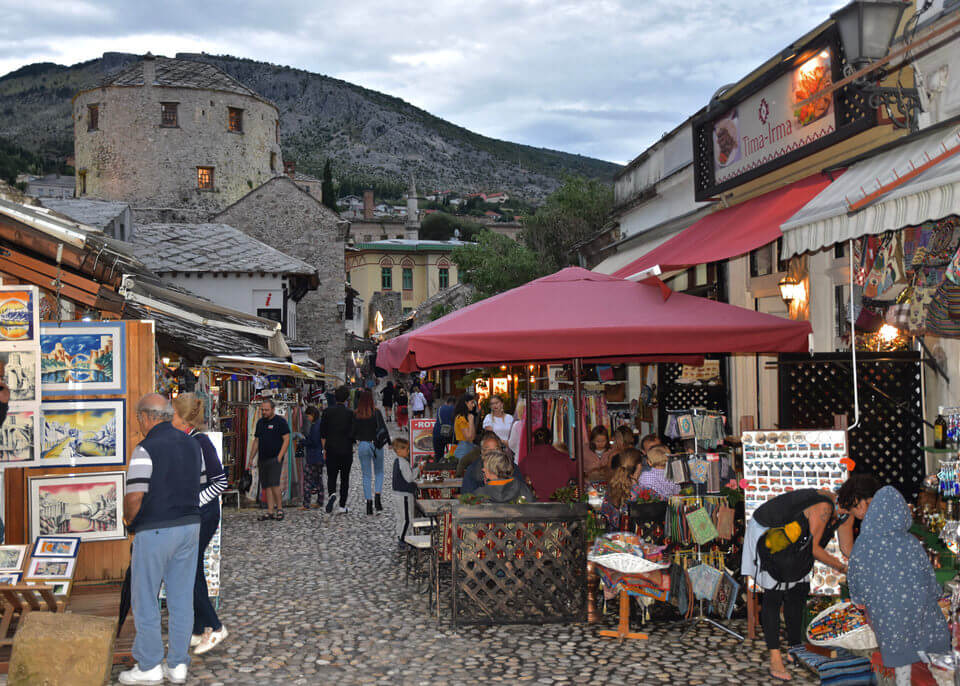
<point>673,396</point>
<point>519,564</point>
<point>888,440</point>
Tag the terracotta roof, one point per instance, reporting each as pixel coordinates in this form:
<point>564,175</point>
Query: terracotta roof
<point>180,73</point>
<point>209,248</point>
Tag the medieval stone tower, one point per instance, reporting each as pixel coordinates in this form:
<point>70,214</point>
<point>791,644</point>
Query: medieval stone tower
<point>174,133</point>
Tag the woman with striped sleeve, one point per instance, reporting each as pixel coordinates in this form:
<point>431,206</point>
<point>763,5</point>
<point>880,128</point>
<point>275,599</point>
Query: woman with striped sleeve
<point>207,628</point>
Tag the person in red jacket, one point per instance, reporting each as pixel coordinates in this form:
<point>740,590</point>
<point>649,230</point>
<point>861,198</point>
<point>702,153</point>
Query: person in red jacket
<point>546,468</point>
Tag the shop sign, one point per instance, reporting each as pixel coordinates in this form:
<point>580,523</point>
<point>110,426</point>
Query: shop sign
<point>421,440</point>
<point>765,127</point>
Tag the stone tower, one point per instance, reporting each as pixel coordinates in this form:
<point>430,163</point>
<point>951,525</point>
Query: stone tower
<point>174,133</point>
<point>412,228</point>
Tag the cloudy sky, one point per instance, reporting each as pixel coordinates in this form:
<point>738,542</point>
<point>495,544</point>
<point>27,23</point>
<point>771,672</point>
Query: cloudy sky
<point>603,78</point>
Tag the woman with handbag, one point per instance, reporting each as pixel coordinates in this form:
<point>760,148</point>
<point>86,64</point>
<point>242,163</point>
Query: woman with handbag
<point>370,432</point>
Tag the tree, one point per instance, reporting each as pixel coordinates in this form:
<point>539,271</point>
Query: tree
<point>572,213</point>
<point>495,264</point>
<point>440,227</point>
<point>327,189</point>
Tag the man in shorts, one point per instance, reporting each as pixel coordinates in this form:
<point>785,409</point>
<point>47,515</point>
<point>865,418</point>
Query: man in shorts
<point>271,438</point>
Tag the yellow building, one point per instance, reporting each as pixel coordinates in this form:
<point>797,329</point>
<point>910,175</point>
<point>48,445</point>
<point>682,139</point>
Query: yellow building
<point>414,270</point>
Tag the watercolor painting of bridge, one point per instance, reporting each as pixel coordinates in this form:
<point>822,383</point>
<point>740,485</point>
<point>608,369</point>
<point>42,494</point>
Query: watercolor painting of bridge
<point>82,358</point>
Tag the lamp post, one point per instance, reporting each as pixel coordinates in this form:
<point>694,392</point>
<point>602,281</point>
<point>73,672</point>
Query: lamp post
<point>867,29</point>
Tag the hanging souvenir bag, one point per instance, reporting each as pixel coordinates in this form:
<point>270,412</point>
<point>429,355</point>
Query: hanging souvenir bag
<point>943,314</point>
<point>698,471</point>
<point>725,522</point>
<point>704,580</point>
<point>701,526</point>
<point>685,426</point>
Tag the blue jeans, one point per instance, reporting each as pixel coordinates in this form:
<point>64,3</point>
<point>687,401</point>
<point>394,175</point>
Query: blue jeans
<point>168,555</point>
<point>371,460</point>
<point>204,614</point>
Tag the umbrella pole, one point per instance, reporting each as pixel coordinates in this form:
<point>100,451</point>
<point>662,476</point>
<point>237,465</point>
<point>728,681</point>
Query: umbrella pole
<point>578,421</point>
<point>527,433</point>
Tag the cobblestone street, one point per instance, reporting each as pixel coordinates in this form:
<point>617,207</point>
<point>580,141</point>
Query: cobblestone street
<point>320,598</point>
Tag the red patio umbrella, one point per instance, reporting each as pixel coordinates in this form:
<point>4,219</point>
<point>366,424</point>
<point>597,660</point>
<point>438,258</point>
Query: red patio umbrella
<point>577,315</point>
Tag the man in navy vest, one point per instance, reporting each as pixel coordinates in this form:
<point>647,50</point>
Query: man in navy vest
<point>161,507</point>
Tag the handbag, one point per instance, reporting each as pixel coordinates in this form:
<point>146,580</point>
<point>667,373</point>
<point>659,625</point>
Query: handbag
<point>383,435</point>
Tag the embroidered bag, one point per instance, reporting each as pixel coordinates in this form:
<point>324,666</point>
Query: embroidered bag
<point>704,579</point>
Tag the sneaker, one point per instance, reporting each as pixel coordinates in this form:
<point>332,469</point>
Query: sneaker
<point>342,510</point>
<point>175,675</point>
<point>151,676</point>
<point>331,502</point>
<point>197,639</point>
<point>213,639</point>
<point>369,507</point>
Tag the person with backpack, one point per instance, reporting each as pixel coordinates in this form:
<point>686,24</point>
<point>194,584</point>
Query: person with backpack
<point>370,432</point>
<point>783,538</point>
<point>443,429</point>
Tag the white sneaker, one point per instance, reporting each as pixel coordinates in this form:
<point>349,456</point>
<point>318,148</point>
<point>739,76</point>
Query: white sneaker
<point>196,639</point>
<point>342,510</point>
<point>151,676</point>
<point>211,641</point>
<point>176,675</point>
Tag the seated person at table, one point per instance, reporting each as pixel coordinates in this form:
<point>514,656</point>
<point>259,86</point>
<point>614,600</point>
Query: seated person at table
<point>891,576</point>
<point>621,489</point>
<point>654,478</point>
<point>622,440</point>
<point>596,455</point>
<point>473,475</point>
<point>547,468</point>
<point>503,486</point>
<point>404,486</point>
<point>488,441</point>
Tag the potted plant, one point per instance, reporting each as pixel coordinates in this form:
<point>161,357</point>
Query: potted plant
<point>648,507</point>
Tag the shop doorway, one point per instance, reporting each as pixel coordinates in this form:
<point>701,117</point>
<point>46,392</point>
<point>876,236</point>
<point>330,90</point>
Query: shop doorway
<point>889,438</point>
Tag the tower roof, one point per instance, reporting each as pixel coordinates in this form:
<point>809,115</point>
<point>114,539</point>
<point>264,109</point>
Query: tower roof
<point>181,73</point>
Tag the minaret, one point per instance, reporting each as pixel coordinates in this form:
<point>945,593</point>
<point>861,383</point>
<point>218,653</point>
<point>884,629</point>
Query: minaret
<point>412,229</point>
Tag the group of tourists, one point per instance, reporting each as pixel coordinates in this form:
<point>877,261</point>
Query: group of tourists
<point>398,403</point>
<point>172,506</point>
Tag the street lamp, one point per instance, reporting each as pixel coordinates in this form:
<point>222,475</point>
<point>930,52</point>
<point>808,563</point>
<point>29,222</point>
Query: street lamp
<point>867,29</point>
<point>341,308</point>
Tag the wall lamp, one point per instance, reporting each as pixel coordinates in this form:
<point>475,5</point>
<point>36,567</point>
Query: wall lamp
<point>792,290</point>
<point>867,29</point>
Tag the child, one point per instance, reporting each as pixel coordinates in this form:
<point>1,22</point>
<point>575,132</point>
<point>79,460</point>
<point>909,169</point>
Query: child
<point>404,486</point>
<point>891,576</point>
<point>402,416</point>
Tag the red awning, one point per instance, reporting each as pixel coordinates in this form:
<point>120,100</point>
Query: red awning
<point>576,313</point>
<point>731,232</point>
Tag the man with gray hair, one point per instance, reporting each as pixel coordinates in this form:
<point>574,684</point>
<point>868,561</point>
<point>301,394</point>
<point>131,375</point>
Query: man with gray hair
<point>161,507</point>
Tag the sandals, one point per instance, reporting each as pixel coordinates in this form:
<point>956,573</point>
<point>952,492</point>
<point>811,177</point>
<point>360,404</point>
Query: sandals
<point>780,678</point>
<point>265,517</point>
<point>279,516</point>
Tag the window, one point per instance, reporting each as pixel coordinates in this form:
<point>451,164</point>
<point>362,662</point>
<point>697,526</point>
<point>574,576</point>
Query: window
<point>93,117</point>
<point>386,278</point>
<point>407,279</point>
<point>83,182</point>
<point>205,178</point>
<point>348,278</point>
<point>766,260</point>
<point>444,277</point>
<point>235,119</point>
<point>273,161</point>
<point>168,115</point>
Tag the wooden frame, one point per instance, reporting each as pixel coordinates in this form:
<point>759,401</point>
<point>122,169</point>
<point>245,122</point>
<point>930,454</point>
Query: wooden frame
<point>48,547</point>
<point>41,568</point>
<point>10,562</point>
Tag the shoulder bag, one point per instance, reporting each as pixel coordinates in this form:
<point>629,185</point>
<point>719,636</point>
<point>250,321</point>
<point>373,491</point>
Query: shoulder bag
<point>383,435</point>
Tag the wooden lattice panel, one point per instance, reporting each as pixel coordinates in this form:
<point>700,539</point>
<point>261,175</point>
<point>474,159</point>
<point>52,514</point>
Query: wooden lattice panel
<point>888,440</point>
<point>517,564</point>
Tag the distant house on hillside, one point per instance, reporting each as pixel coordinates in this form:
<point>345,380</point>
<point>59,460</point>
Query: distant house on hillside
<point>498,198</point>
<point>50,186</point>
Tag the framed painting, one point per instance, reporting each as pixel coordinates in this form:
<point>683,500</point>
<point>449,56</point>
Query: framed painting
<point>17,434</point>
<point>89,506</point>
<point>50,568</point>
<point>82,433</point>
<point>10,577</point>
<point>20,370</point>
<point>82,358</point>
<point>56,546</point>
<point>12,557</point>
<point>59,587</point>
<point>19,314</point>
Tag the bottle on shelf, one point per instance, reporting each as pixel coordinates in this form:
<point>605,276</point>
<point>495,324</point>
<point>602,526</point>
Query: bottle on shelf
<point>940,431</point>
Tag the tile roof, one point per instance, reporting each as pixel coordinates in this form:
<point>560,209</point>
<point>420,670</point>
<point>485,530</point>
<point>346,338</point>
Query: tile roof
<point>209,248</point>
<point>59,180</point>
<point>300,176</point>
<point>98,213</point>
<point>180,73</point>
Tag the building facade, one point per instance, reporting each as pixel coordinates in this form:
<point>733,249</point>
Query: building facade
<point>173,133</point>
<point>413,269</point>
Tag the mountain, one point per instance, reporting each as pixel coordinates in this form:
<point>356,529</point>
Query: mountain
<point>372,138</point>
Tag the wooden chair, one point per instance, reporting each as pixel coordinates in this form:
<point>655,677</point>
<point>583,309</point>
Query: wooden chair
<point>19,599</point>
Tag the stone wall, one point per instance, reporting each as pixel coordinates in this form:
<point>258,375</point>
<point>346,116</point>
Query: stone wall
<point>389,305</point>
<point>285,217</point>
<point>131,157</point>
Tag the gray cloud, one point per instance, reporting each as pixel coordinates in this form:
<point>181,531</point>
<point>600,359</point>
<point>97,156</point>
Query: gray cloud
<point>598,77</point>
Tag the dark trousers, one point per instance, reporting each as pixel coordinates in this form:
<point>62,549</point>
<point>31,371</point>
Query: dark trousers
<point>339,464</point>
<point>204,615</point>
<point>312,482</point>
<point>792,601</point>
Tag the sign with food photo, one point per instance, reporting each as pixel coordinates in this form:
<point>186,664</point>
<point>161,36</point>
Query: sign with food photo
<point>421,440</point>
<point>776,120</point>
